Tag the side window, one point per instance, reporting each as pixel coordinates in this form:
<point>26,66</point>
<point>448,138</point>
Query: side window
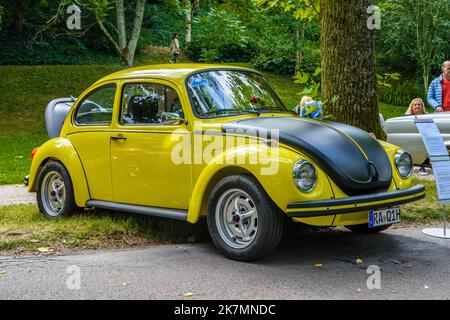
<point>97,107</point>
<point>149,103</point>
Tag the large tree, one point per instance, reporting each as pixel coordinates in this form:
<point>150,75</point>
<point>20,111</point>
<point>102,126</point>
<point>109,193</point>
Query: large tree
<point>348,64</point>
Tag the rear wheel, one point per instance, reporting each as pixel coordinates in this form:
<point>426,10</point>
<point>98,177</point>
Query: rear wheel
<point>54,191</point>
<point>242,221</point>
<point>364,228</point>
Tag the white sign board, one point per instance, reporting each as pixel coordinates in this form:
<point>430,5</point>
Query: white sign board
<point>432,139</point>
<point>438,154</point>
<point>441,170</point>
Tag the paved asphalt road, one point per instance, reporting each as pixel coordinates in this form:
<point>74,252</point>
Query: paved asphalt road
<point>413,266</point>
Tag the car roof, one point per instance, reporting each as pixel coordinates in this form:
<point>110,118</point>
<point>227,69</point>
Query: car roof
<point>177,72</point>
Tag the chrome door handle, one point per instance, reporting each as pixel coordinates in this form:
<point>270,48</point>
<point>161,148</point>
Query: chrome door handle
<point>115,138</point>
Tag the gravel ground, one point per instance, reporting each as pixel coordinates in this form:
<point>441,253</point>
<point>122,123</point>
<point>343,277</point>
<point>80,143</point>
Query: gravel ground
<point>15,194</point>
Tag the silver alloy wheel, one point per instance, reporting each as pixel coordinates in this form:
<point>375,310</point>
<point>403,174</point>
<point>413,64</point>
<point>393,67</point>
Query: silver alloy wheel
<point>53,193</point>
<point>236,218</point>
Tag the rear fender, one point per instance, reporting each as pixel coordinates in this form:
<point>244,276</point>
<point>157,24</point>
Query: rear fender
<point>61,150</point>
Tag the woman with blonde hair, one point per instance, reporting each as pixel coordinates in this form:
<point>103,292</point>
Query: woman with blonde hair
<point>416,107</point>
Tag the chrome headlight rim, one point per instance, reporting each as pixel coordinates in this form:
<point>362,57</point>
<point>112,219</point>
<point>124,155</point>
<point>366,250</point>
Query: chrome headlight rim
<point>298,167</point>
<point>398,158</point>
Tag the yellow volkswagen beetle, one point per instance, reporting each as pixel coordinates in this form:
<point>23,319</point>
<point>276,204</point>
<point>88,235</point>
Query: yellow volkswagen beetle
<point>186,141</point>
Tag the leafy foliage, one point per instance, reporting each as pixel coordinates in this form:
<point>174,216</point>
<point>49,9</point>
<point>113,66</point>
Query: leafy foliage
<point>418,34</point>
<point>220,36</point>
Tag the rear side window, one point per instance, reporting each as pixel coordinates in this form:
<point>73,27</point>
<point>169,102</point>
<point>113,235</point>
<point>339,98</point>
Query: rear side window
<point>97,107</point>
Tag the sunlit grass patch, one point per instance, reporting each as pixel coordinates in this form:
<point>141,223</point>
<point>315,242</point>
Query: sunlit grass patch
<point>22,227</point>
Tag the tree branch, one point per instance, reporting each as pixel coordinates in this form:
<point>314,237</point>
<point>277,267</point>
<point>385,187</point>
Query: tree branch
<point>107,34</point>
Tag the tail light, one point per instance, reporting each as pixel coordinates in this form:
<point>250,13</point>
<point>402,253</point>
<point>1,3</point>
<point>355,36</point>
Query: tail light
<point>33,153</point>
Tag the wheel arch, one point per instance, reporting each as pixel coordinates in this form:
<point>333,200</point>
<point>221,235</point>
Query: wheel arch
<point>62,151</point>
<point>206,183</point>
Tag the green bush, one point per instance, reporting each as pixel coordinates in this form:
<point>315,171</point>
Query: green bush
<point>401,93</point>
<point>220,36</point>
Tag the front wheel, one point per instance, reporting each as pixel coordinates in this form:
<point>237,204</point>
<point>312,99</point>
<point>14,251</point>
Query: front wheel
<point>242,220</point>
<point>54,191</point>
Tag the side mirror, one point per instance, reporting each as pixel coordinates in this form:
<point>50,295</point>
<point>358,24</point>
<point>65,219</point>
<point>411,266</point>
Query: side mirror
<point>172,118</point>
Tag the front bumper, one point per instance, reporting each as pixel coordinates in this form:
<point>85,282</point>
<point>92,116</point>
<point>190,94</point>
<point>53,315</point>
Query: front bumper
<point>374,201</point>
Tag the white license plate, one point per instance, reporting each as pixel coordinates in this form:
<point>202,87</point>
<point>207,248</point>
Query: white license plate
<point>383,217</point>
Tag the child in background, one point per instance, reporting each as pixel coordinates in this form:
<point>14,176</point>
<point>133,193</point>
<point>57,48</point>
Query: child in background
<point>312,110</point>
<point>303,101</point>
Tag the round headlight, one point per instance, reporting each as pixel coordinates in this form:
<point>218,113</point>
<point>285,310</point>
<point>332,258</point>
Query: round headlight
<point>305,176</point>
<point>403,162</point>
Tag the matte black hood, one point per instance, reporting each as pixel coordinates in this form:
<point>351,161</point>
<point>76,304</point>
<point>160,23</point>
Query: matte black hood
<point>339,149</point>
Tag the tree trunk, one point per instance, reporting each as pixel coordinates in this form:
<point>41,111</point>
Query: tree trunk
<point>188,35</point>
<point>18,17</point>
<point>426,77</point>
<point>121,30</point>
<point>348,64</point>
<point>137,24</point>
<point>299,36</point>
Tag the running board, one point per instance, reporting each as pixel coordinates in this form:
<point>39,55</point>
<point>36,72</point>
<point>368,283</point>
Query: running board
<point>151,211</point>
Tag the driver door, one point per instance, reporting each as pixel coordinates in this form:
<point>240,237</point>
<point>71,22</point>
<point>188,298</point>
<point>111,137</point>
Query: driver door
<point>143,171</point>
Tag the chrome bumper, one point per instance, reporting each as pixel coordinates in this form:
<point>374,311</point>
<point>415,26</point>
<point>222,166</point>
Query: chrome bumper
<point>355,204</point>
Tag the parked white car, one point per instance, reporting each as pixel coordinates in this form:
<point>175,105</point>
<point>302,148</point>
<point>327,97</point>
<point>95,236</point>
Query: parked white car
<point>402,131</point>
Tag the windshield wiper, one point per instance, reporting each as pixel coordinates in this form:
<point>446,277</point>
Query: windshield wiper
<point>271,108</point>
<point>221,111</point>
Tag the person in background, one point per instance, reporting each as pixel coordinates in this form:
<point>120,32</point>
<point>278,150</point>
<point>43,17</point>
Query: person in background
<point>439,91</point>
<point>416,107</point>
<point>303,101</point>
<point>312,110</point>
<point>174,48</point>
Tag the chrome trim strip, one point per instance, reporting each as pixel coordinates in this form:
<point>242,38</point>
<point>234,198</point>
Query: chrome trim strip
<point>151,211</point>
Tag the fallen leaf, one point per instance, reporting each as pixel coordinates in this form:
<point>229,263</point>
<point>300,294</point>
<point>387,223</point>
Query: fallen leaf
<point>358,261</point>
<point>44,249</point>
<point>188,294</point>
<point>318,265</point>
<point>2,272</point>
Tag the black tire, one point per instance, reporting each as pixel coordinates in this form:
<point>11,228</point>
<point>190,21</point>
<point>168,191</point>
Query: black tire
<point>60,201</point>
<point>364,228</point>
<point>267,219</point>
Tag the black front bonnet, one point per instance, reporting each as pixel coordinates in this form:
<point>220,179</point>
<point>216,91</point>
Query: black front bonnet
<point>338,149</point>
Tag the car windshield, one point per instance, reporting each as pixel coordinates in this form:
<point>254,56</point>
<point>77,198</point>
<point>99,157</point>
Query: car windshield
<point>229,92</point>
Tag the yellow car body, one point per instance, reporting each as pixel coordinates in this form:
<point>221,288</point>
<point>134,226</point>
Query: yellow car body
<point>138,173</point>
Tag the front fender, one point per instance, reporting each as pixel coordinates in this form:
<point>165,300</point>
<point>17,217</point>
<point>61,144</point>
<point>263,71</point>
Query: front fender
<point>60,149</point>
<point>273,170</point>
